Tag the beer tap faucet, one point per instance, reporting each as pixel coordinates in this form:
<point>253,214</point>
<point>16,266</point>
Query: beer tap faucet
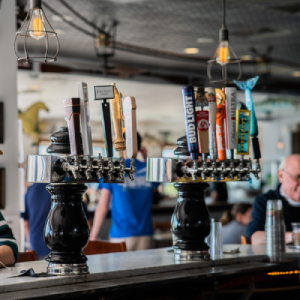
<point>86,131</point>
<point>129,114</point>
<point>116,108</point>
<point>72,111</point>
<point>191,126</point>
<point>104,93</point>
<point>100,167</point>
<point>202,122</point>
<point>230,105</point>
<point>247,86</point>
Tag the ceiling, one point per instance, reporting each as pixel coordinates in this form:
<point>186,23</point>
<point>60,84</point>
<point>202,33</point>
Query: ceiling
<point>174,25</point>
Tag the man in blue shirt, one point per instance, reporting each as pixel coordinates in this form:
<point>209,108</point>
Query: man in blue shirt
<point>131,205</point>
<point>288,192</point>
<point>37,207</point>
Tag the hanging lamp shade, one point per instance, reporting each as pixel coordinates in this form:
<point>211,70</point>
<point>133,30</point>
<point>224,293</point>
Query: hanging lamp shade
<point>104,40</point>
<point>37,30</point>
<point>224,55</point>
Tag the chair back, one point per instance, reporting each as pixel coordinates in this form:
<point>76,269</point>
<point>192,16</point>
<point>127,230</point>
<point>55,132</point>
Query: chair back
<point>29,255</point>
<point>100,247</point>
<point>245,240</point>
<point>163,226</point>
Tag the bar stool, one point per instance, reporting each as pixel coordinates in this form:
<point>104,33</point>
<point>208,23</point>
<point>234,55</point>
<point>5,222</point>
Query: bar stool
<point>29,255</point>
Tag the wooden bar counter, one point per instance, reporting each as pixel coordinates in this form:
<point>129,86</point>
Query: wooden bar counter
<point>140,275</point>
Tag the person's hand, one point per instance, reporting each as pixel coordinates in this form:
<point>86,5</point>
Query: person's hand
<point>289,237</point>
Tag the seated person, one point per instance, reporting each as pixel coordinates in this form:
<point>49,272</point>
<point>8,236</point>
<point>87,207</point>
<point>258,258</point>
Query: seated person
<point>235,223</point>
<point>8,245</point>
<point>288,192</point>
<point>219,193</point>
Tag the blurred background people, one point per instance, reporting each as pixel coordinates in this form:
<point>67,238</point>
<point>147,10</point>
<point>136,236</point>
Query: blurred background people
<point>219,193</point>
<point>37,207</point>
<point>235,222</point>
<point>288,191</point>
<point>131,206</point>
<point>8,244</point>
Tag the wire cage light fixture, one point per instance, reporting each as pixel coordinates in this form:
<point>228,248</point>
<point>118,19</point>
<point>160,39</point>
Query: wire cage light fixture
<point>36,27</point>
<point>224,55</point>
<point>104,40</point>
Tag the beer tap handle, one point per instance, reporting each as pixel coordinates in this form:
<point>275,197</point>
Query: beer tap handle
<point>220,132</point>
<point>202,117</point>
<point>243,117</point>
<point>82,92</point>
<point>104,93</point>
<point>230,105</point>
<point>72,111</point>
<point>116,109</point>
<point>190,121</point>
<point>212,104</point>
<point>129,113</point>
<point>107,128</point>
<point>248,86</point>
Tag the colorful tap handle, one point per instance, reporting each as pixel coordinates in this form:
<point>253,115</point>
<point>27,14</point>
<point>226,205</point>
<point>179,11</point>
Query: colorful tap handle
<point>203,126</point>
<point>243,117</point>
<point>248,86</point>
<point>220,131</point>
<point>72,111</point>
<point>116,110</point>
<point>129,113</point>
<point>104,93</point>
<point>230,123</point>
<point>212,104</point>
<point>82,93</point>
<point>190,121</point>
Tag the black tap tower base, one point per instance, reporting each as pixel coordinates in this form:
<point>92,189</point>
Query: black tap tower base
<point>66,230</point>
<point>190,220</point>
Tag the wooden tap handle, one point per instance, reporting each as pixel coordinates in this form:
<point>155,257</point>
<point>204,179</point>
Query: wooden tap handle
<point>72,111</point>
<point>129,112</point>
<point>116,110</point>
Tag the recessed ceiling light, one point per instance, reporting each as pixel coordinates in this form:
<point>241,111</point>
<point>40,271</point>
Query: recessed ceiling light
<point>191,50</point>
<point>58,18</point>
<point>205,40</point>
<point>246,57</point>
<point>34,87</point>
<point>296,74</point>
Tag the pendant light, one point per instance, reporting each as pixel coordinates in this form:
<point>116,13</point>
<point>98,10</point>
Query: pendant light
<point>37,27</point>
<point>223,55</point>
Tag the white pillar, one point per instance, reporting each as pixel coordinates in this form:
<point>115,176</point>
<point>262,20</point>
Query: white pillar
<point>8,95</point>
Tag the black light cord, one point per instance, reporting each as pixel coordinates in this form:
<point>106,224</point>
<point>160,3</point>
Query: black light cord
<point>82,17</point>
<point>131,48</point>
<point>224,26</point>
<point>65,20</point>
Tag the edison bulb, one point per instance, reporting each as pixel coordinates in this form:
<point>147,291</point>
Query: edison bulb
<point>37,28</point>
<point>223,55</point>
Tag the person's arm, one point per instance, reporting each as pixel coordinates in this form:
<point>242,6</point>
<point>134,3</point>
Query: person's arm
<point>7,256</point>
<point>258,217</point>
<point>259,238</point>
<point>100,213</point>
<point>8,244</point>
<point>26,229</point>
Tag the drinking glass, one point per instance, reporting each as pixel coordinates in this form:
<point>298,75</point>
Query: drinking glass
<point>296,234</point>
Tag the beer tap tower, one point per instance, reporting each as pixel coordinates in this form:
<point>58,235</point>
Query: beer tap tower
<point>71,165</point>
<point>190,220</point>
